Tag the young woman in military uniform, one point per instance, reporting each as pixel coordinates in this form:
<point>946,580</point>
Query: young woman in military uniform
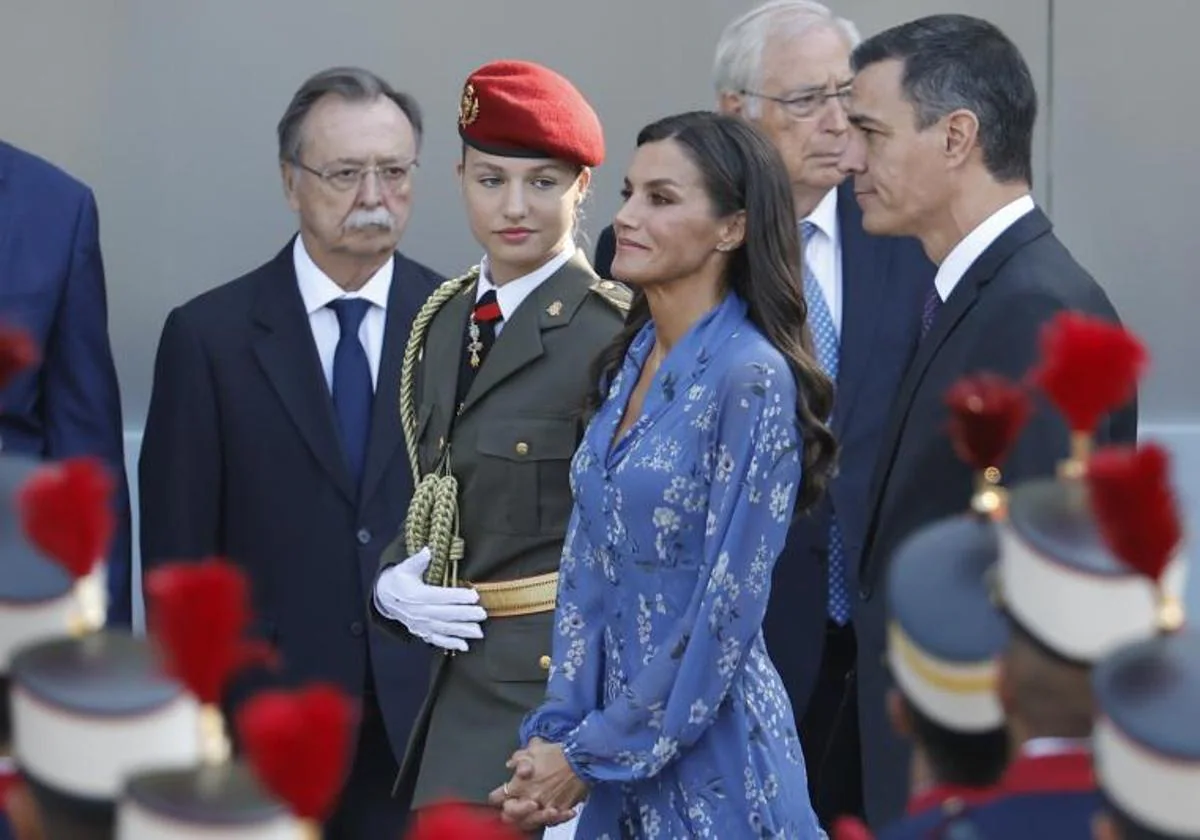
<point>494,383</point>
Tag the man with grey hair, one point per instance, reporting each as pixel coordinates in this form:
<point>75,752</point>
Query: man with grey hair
<point>273,436</point>
<point>785,67</point>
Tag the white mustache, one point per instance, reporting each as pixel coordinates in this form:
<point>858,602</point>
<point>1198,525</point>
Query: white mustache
<point>376,217</point>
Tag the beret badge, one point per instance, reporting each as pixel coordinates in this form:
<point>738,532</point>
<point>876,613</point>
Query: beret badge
<point>468,106</point>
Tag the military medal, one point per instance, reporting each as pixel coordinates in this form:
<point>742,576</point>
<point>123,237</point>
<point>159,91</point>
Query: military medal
<point>486,311</point>
<point>474,345</point>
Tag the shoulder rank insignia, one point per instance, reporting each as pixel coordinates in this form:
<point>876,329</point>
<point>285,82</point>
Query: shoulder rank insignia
<point>618,295</point>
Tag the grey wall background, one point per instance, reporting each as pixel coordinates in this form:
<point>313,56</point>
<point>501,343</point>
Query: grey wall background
<point>168,107</point>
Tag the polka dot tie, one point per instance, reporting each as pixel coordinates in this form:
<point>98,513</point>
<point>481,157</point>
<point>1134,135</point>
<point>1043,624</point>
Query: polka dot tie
<point>933,302</point>
<point>825,341</point>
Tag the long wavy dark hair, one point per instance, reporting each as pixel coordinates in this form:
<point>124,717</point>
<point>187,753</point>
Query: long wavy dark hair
<point>742,171</point>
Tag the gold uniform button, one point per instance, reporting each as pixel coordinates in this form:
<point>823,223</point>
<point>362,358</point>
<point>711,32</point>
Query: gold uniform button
<point>607,284</point>
<point>544,662</point>
<point>522,448</point>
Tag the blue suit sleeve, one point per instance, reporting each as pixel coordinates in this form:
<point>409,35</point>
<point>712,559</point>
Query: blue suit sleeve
<point>82,401</point>
<point>673,701</point>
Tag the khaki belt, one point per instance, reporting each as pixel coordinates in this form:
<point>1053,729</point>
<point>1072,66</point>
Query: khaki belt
<point>523,596</point>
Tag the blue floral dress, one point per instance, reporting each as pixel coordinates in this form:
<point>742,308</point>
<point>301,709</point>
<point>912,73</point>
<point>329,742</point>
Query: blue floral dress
<point>661,691</point>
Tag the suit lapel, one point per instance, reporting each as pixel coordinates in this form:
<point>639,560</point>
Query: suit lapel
<point>961,301</point>
<point>288,356</point>
<point>404,300</point>
<point>863,280</point>
<point>520,341</point>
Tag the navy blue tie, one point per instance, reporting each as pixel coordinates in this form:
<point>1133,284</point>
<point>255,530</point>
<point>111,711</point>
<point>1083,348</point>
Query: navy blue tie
<point>353,392</point>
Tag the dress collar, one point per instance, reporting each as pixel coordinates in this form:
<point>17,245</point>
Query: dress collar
<point>684,364</point>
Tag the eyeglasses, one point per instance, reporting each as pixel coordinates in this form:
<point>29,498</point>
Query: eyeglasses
<point>345,177</point>
<point>806,105</point>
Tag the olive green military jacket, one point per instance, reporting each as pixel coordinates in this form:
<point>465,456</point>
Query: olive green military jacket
<point>509,446</point>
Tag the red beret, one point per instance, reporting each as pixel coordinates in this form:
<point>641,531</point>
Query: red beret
<point>522,109</point>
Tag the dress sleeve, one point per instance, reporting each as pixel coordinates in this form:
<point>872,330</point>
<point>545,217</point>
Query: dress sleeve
<point>669,705</point>
<point>573,687</point>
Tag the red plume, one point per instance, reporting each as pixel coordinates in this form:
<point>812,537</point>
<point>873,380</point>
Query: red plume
<point>1134,505</point>
<point>17,352</point>
<point>987,412</point>
<point>458,821</point>
<point>1089,367</point>
<point>66,511</point>
<point>298,743</point>
<point>850,828</point>
<point>198,614</point>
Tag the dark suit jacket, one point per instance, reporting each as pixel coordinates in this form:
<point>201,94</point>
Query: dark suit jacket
<point>242,458</point>
<point>884,281</point>
<point>510,451</point>
<point>991,322</point>
<point>606,249</point>
<point>52,285</point>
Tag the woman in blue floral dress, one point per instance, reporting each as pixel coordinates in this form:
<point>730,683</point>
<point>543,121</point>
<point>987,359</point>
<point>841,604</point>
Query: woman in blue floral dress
<point>663,709</point>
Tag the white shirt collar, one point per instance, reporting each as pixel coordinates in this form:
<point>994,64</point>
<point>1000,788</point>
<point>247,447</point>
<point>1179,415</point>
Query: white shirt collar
<point>512,293</point>
<point>318,290</point>
<point>824,215</point>
<point>963,255</point>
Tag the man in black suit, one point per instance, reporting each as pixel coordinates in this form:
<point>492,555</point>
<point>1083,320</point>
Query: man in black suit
<point>273,435</point>
<point>943,110</point>
<point>785,68</point>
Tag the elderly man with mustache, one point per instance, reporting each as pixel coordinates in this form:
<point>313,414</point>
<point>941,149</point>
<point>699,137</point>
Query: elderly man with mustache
<point>273,436</point>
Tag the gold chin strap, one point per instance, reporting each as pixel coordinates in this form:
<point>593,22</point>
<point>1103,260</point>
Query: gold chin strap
<point>433,514</point>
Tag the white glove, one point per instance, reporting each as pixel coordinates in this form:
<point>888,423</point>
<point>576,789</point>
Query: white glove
<point>444,616</point>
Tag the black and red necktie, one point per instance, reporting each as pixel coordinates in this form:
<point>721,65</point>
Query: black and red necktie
<point>481,335</point>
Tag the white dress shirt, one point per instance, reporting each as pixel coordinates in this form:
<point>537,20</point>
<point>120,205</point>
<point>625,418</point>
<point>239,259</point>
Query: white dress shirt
<point>823,255</point>
<point>318,290</point>
<point>511,294</point>
<point>963,255</point>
